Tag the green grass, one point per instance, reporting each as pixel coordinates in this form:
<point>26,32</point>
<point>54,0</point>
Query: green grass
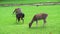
<point>8,23</point>
<point>26,1</point>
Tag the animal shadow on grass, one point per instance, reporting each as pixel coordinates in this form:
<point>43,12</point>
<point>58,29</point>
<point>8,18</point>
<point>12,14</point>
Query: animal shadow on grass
<point>41,27</point>
<point>18,23</point>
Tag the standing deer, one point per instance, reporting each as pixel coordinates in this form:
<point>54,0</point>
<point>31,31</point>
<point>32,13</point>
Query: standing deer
<point>19,14</point>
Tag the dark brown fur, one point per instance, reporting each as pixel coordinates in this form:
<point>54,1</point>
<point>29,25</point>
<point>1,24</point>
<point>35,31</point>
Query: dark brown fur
<point>19,14</point>
<point>37,17</point>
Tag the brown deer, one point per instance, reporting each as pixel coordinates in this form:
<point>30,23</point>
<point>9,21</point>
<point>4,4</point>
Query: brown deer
<point>19,14</point>
<point>37,17</point>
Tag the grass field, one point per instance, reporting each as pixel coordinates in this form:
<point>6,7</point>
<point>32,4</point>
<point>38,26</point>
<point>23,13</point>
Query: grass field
<point>25,1</point>
<point>8,23</point>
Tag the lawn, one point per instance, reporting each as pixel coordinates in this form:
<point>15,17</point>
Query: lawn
<point>25,1</point>
<point>8,21</point>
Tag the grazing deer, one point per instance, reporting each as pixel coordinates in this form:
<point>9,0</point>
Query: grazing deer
<point>37,17</point>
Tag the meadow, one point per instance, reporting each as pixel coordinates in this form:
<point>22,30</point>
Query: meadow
<point>8,21</point>
<point>25,1</point>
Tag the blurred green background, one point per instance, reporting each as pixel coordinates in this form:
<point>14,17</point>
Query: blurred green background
<point>26,1</point>
<point>8,21</point>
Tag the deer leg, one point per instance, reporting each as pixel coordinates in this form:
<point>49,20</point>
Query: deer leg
<point>17,19</point>
<point>22,19</point>
<point>44,22</point>
<point>36,22</point>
